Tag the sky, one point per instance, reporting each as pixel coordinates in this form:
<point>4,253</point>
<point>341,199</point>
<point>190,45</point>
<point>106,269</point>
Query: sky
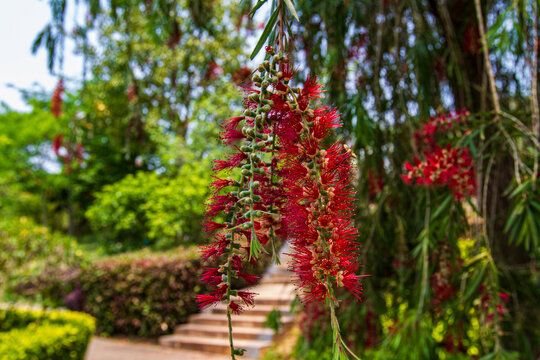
<point>20,21</point>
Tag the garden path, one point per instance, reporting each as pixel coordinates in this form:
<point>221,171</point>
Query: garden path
<point>116,349</point>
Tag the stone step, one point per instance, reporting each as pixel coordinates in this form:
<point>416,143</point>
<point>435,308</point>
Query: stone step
<point>273,300</point>
<point>277,279</point>
<point>246,333</point>
<point>214,345</point>
<point>237,320</point>
<point>278,270</point>
<point>256,310</point>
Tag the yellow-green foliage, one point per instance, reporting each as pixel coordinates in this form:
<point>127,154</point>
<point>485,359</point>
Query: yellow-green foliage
<point>42,335</point>
<point>149,209</point>
<point>27,249</point>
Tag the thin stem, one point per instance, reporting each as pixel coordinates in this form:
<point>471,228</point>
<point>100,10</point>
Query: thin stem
<point>425,262</point>
<point>534,87</point>
<point>229,320</point>
<point>492,268</point>
<point>487,62</point>
<point>281,27</point>
<point>229,274</point>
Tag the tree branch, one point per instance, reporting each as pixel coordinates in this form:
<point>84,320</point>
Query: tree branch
<point>487,62</point>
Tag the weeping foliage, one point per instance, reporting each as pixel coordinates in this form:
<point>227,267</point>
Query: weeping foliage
<point>450,279</point>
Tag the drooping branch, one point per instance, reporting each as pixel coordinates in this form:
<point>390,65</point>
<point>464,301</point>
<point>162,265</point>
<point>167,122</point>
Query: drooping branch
<point>487,62</point>
<point>534,86</point>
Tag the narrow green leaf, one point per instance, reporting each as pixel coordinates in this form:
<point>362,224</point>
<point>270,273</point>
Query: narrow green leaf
<point>532,226</point>
<point>473,206</point>
<point>523,233</point>
<point>291,9</point>
<point>519,189</point>
<point>489,356</point>
<point>256,7</point>
<point>442,207</point>
<point>39,38</point>
<point>535,204</point>
<point>475,260</point>
<point>266,32</point>
<point>478,279</point>
<point>509,222</point>
<point>254,245</point>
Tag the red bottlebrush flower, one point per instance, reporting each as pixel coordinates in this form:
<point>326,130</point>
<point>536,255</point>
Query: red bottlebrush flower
<point>312,90</point>
<point>352,284</point>
<point>314,292</point>
<point>215,249</point>
<point>232,123</point>
<point>57,143</point>
<point>211,276</point>
<point>231,135</point>
<point>213,298</point>
<point>504,297</point>
<point>249,278</point>
<point>242,76</point>
<point>206,300</point>
<point>328,119</point>
<point>56,101</point>
<point>233,161</point>
<point>211,226</point>
<point>220,184</point>
<point>220,203</point>
<point>213,71</point>
<point>235,308</point>
<point>426,137</point>
<point>452,167</point>
<point>247,297</point>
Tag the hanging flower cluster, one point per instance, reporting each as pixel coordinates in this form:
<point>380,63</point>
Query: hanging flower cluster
<point>425,137</point>
<point>249,213</point>
<point>452,167</point>
<point>290,185</point>
<point>319,199</point>
<point>56,101</point>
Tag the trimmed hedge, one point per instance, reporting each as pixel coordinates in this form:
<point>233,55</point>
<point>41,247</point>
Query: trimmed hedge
<point>142,293</point>
<point>43,335</point>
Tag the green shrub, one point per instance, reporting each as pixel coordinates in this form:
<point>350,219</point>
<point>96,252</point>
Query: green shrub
<point>27,249</point>
<point>149,209</point>
<point>141,293</point>
<point>42,335</point>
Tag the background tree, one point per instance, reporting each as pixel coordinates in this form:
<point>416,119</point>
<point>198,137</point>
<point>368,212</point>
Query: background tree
<point>159,73</point>
<point>390,65</point>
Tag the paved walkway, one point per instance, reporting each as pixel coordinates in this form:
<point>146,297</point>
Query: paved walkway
<point>117,349</point>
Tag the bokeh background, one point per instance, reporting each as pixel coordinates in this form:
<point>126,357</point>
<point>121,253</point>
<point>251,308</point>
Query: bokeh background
<point>109,125</point>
